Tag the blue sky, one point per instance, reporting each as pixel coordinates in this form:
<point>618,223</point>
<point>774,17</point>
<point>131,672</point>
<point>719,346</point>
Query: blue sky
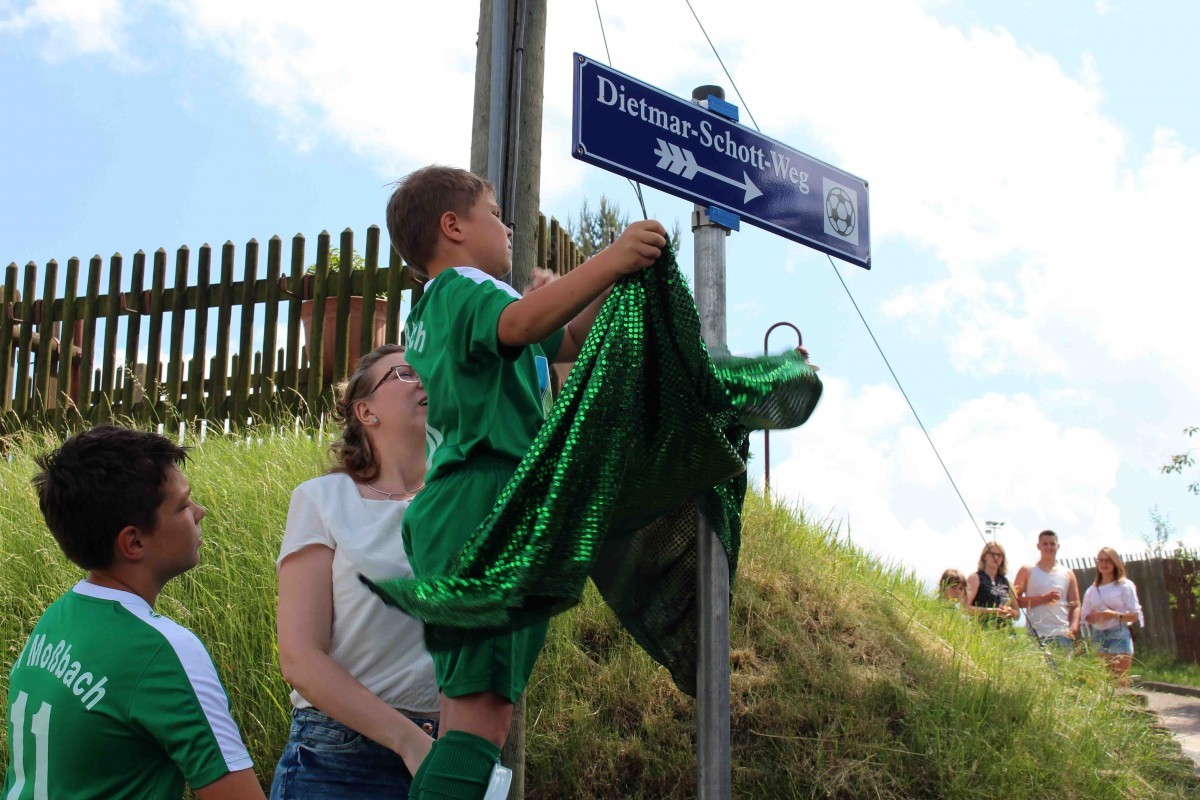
<point>1032,167</point>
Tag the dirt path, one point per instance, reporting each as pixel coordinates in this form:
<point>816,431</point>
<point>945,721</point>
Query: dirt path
<point>1181,715</point>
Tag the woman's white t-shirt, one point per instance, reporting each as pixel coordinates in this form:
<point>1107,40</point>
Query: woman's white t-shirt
<point>381,646</point>
<point>1118,596</point>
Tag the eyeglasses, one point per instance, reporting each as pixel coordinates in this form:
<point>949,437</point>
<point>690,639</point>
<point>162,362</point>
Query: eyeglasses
<point>401,372</point>
<point>1104,560</point>
<point>994,554</point>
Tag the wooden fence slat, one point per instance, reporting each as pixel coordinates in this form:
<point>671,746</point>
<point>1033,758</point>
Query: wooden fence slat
<point>220,384</point>
<point>366,334</point>
<point>241,376</point>
<point>25,338</point>
<point>341,340</point>
<point>178,318</point>
<point>151,387</point>
<point>84,402</point>
<point>316,356</point>
<point>198,402</point>
<point>397,276</point>
<point>108,355</point>
<point>291,368</point>
<point>130,393</point>
<point>552,252</point>
<point>267,377</point>
<point>243,373</point>
<point>7,313</point>
<point>542,244</point>
<point>42,398</point>
<point>68,373</point>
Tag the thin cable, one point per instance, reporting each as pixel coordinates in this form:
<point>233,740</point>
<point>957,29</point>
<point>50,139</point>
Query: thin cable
<point>1028,622</point>
<point>911,408</point>
<point>637,188</point>
<point>849,294</point>
<point>1037,638</point>
<point>723,67</point>
<point>603,34</point>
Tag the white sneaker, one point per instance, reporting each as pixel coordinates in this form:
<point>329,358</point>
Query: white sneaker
<point>499,783</point>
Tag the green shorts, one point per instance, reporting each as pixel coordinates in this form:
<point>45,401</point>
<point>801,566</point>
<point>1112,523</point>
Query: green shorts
<point>435,528</point>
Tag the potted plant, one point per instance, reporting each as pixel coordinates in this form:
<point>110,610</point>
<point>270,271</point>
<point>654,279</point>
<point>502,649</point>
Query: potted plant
<point>353,321</point>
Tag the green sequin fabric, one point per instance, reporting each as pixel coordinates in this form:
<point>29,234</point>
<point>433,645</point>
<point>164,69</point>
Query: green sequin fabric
<point>646,431</point>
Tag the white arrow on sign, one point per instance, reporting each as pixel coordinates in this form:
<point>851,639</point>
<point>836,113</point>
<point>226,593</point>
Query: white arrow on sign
<point>681,161</point>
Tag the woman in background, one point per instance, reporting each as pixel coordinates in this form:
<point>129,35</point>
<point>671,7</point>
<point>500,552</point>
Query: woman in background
<point>989,594</point>
<point>1110,605</point>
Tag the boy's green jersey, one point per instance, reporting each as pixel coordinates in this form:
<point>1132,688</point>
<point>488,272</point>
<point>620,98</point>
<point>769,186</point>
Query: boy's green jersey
<point>484,399</point>
<point>110,700</point>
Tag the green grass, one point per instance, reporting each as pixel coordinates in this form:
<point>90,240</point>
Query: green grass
<point>1164,668</point>
<point>848,680</point>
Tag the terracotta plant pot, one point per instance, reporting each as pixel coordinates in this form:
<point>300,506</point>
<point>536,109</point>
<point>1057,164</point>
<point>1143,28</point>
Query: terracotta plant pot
<point>353,324</point>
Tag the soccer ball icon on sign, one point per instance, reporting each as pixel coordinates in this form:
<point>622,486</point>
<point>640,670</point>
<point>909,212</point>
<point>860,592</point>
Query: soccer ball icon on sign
<point>839,211</point>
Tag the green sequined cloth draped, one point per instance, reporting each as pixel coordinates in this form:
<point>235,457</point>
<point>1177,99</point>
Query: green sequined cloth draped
<point>646,431</point>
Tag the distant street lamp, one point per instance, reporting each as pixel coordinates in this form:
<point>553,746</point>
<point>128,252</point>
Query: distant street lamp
<point>767,433</point>
<point>992,528</point>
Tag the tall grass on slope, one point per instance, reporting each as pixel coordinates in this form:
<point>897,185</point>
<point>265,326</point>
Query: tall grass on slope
<point>228,600</point>
<point>848,681</point>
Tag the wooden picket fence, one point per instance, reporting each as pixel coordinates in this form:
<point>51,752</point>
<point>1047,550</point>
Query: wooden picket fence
<point>78,358</point>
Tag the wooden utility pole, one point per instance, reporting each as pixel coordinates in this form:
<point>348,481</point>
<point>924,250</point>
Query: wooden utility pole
<point>506,148</point>
<point>517,138</point>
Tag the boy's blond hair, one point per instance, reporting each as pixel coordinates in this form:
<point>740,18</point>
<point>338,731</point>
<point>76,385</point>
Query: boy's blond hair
<point>415,209</point>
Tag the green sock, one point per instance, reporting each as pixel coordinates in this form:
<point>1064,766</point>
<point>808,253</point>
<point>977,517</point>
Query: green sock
<point>457,768</point>
<point>414,787</point>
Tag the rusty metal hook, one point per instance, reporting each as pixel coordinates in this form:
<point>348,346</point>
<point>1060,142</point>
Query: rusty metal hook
<point>283,287</point>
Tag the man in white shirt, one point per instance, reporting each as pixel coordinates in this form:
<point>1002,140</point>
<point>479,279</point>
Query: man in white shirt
<point>1049,594</point>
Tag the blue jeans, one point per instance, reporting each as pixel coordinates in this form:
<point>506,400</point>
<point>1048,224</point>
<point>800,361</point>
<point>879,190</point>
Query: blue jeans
<point>325,760</point>
<point>1065,642</point>
<point>1114,642</point>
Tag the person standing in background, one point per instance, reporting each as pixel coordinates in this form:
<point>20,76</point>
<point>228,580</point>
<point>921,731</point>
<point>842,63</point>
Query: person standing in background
<point>1049,594</point>
<point>989,594</point>
<point>952,587</point>
<point>1110,605</point>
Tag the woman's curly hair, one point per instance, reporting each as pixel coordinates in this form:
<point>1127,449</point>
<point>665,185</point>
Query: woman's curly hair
<point>352,452</point>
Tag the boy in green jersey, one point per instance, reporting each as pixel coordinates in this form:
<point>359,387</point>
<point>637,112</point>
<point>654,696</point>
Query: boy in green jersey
<point>109,700</point>
<point>483,353</point>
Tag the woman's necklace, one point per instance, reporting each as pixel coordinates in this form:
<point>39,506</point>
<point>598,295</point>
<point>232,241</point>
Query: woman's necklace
<point>390,495</point>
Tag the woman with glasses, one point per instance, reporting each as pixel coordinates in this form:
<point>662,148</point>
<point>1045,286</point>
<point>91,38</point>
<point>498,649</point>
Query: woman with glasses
<point>1110,606</point>
<point>365,704</point>
<point>989,594</point>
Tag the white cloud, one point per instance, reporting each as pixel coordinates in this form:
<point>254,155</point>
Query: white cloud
<point>393,81</point>
<point>861,457</point>
<point>73,28</point>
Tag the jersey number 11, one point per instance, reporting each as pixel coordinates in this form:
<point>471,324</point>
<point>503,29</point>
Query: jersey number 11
<point>40,726</point>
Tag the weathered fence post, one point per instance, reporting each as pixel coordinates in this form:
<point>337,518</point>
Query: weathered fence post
<point>174,387</point>
<point>42,399</point>
<point>199,406</point>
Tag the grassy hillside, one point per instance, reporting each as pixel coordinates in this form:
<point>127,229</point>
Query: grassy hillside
<point>848,682</point>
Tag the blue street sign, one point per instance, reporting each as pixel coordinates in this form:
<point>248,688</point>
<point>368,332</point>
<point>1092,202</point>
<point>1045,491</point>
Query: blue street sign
<point>633,129</point>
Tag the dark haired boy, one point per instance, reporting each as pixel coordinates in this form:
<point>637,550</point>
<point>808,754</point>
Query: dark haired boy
<point>483,352</point>
<point>108,699</point>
